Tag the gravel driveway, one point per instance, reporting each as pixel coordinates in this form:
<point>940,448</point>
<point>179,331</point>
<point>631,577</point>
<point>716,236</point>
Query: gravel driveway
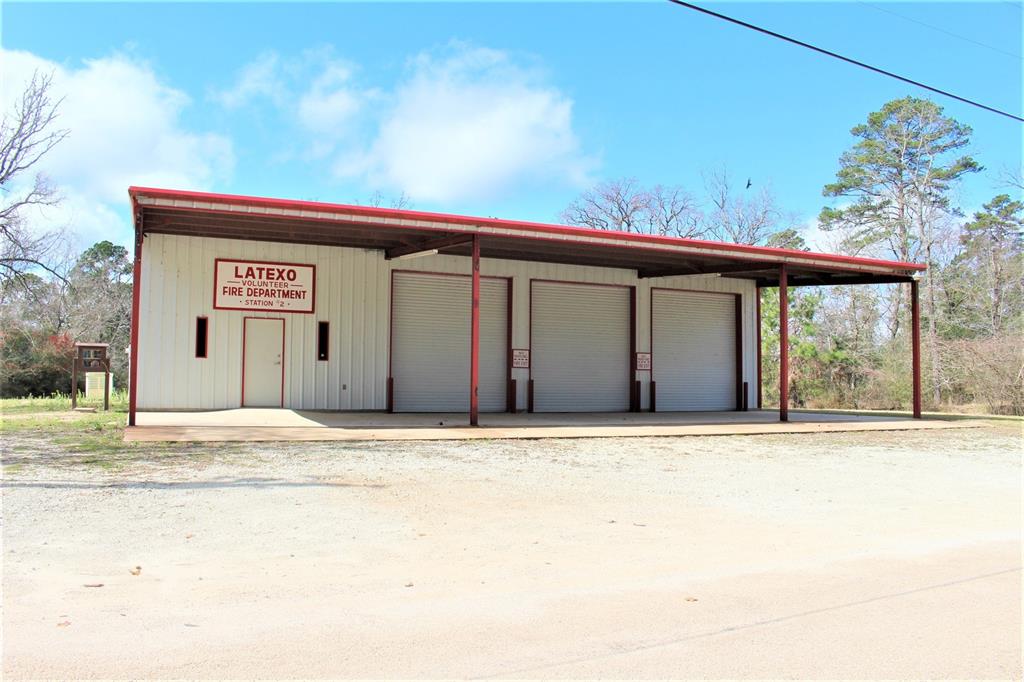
<point>854,555</point>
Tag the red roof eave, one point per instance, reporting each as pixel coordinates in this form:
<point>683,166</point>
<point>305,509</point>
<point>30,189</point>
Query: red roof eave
<point>452,219</point>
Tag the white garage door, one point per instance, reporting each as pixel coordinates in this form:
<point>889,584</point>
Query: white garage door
<point>694,350</point>
<point>430,343</point>
<point>580,354</point>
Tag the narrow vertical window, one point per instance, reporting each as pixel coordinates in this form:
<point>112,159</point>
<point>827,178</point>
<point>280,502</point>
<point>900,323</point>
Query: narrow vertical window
<point>322,335</point>
<point>201,337</point>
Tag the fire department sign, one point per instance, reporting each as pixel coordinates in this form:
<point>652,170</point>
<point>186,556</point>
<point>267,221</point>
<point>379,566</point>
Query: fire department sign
<point>262,285</point>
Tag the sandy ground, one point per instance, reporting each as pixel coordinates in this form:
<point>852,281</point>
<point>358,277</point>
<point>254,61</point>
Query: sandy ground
<point>858,555</point>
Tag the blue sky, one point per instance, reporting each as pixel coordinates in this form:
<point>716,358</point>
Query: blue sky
<point>506,110</point>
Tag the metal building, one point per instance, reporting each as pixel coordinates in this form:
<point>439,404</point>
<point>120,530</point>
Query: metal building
<point>245,301</point>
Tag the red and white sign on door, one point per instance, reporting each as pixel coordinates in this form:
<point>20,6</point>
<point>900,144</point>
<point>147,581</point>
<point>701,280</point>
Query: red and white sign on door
<point>263,285</point>
<point>520,358</point>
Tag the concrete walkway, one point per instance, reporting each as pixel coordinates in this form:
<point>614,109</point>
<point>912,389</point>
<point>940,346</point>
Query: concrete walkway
<point>255,424</point>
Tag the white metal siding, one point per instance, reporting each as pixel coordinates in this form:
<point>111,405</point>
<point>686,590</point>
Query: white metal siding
<point>430,343</point>
<point>694,350</point>
<point>580,347</point>
<point>177,286</point>
<point>352,294</point>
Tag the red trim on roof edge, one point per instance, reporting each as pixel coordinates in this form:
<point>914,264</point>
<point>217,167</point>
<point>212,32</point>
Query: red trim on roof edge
<point>404,214</point>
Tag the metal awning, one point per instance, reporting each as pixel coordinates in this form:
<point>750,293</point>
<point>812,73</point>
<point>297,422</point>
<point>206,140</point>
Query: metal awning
<point>400,232</point>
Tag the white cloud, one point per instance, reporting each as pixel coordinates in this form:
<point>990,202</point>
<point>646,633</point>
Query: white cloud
<point>461,123</point>
<point>125,128</point>
<point>469,124</point>
<point>330,102</point>
<point>259,78</point>
<point>315,92</point>
<point>83,219</point>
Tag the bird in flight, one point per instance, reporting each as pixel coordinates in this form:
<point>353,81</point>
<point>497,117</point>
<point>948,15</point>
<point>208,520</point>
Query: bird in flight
<point>749,183</point>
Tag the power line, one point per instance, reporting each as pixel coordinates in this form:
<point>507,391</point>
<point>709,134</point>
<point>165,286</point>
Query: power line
<point>848,60</point>
<point>939,29</point>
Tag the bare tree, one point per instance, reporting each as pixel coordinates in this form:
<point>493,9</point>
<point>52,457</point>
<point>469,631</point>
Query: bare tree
<point>1012,178</point>
<point>673,212</point>
<point>626,206</point>
<point>27,133</point>
<point>741,216</point>
<point>377,199</point>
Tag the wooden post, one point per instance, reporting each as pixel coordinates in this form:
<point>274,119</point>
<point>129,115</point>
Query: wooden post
<point>74,381</point>
<point>474,339</point>
<point>106,386</point>
<point>915,346</point>
<point>783,345</point>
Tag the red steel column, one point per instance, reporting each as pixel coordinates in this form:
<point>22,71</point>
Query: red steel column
<point>915,346</point>
<point>760,400</point>
<point>783,345</point>
<point>133,368</point>
<point>474,339</point>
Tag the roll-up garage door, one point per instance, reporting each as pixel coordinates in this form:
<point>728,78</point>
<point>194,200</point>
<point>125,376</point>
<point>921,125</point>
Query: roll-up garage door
<point>694,350</point>
<point>580,347</point>
<point>430,342</point>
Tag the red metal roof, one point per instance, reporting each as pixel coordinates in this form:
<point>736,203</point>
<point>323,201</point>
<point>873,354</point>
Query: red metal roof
<point>538,230</point>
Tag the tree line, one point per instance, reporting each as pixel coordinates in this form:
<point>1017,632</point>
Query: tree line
<point>893,196</point>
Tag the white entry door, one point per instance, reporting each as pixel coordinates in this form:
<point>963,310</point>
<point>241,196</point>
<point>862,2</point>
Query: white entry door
<point>262,362</point>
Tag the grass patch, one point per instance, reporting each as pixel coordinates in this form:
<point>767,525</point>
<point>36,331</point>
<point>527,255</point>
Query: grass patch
<point>45,431</point>
<point>946,416</point>
<point>64,422</point>
<point>102,449</point>
<point>60,402</point>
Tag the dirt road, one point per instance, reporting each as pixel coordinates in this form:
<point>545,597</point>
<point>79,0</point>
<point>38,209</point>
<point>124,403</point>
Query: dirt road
<point>891,555</point>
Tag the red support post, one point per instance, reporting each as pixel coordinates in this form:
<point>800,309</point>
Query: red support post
<point>741,386</point>
<point>133,369</point>
<point>915,346</point>
<point>474,339</point>
<point>760,399</point>
<point>783,345</point>
<point>634,385</point>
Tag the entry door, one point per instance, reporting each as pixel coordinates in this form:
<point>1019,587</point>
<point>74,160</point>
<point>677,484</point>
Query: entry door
<point>263,368</point>
<point>580,339</point>
<point>430,342</point>
<point>693,350</point>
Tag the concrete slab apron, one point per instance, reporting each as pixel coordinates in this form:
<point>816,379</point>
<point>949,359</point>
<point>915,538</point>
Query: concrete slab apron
<point>288,425</point>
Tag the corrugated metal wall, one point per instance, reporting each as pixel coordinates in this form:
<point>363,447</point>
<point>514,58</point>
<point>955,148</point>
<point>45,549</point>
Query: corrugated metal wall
<point>353,295</point>
<point>177,286</point>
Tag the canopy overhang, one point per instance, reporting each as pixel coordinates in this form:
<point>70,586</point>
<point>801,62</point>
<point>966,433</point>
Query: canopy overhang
<point>399,232</point>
